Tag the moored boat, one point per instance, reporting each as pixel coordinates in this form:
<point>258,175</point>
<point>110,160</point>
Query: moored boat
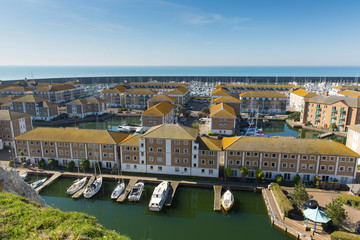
<point>76,186</point>
<point>93,188</point>
<point>119,189</point>
<point>37,183</point>
<point>227,200</point>
<point>159,196</point>
<point>136,191</point>
<point>24,175</point>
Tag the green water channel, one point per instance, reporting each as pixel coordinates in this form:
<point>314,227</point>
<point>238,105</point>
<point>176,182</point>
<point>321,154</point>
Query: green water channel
<point>191,215</point>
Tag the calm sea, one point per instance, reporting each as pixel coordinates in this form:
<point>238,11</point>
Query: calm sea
<point>29,72</point>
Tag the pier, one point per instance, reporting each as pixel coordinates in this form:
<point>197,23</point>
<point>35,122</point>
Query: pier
<point>48,182</point>
<point>80,192</point>
<point>325,134</point>
<point>174,185</point>
<point>127,190</point>
<point>217,196</point>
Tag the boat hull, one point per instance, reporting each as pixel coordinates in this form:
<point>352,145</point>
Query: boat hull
<point>88,193</point>
<point>227,200</point>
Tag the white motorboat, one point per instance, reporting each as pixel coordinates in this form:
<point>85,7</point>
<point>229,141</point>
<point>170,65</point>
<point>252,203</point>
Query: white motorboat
<point>76,186</point>
<point>159,196</point>
<point>136,191</point>
<point>119,189</point>
<point>37,183</point>
<point>24,175</point>
<point>93,188</point>
<point>227,200</point>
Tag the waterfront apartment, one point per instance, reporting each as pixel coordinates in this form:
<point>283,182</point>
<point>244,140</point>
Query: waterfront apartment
<point>298,97</point>
<point>5,102</point>
<point>60,93</point>
<point>137,98</point>
<point>161,113</point>
<point>335,90</point>
<point>353,138</point>
<point>268,102</point>
<point>70,144</point>
<point>13,124</point>
<point>222,119</point>
<point>171,149</point>
<point>86,106</point>
<point>14,90</point>
<point>181,95</point>
<point>38,108</point>
<point>236,89</point>
<point>349,93</point>
<point>323,111</point>
<point>160,98</point>
<point>114,96</point>
<point>290,156</point>
<point>219,92</point>
<point>235,103</point>
<point>159,87</point>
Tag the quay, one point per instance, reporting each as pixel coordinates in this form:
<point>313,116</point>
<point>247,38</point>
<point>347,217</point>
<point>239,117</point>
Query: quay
<point>174,185</point>
<point>80,192</point>
<point>123,196</point>
<point>48,182</point>
<point>217,196</point>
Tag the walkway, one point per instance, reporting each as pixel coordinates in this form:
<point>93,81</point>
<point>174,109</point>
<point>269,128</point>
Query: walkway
<point>217,197</point>
<point>123,196</point>
<point>48,181</point>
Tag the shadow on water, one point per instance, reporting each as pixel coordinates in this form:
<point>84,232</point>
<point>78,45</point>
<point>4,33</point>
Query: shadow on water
<point>191,215</point>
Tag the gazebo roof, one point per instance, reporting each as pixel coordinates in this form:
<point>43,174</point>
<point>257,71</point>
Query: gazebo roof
<point>316,215</point>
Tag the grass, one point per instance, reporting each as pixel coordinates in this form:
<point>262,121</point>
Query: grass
<point>345,199</point>
<point>344,236</point>
<point>21,218</point>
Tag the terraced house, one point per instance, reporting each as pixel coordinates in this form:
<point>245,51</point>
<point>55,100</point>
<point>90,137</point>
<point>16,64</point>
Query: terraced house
<point>235,103</point>
<point>114,96</point>
<point>298,97</point>
<point>219,92</point>
<point>60,93</point>
<point>222,119</point>
<point>70,144</point>
<point>15,90</point>
<point>13,124</point>
<point>181,95</point>
<point>290,156</point>
<point>171,149</point>
<point>137,98</point>
<point>159,87</point>
<point>160,98</point>
<point>236,89</point>
<point>161,113</point>
<point>331,111</point>
<point>85,107</point>
<point>269,102</point>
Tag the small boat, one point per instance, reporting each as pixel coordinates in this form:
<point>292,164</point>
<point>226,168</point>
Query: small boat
<point>24,175</point>
<point>93,188</point>
<point>227,200</point>
<point>136,191</point>
<point>251,121</point>
<point>159,196</point>
<point>76,186</point>
<point>119,189</point>
<point>37,183</point>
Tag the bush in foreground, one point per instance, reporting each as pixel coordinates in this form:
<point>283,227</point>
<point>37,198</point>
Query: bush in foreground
<point>284,203</point>
<point>344,236</point>
<point>345,199</point>
<point>21,218</point>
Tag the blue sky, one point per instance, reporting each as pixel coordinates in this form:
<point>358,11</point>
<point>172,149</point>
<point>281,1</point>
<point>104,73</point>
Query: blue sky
<point>180,33</point>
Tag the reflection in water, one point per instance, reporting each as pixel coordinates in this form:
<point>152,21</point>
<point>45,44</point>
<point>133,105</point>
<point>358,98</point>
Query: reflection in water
<point>191,215</point>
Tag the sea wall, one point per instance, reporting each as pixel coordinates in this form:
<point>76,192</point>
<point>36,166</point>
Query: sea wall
<point>10,181</point>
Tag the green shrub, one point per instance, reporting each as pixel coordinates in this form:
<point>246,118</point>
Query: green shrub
<point>337,235</point>
<point>345,198</point>
<point>70,166</point>
<point>42,163</point>
<point>284,203</point>
<point>297,178</point>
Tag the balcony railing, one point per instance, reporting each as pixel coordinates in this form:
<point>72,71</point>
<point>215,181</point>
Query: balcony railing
<point>342,111</point>
<point>318,107</point>
<point>333,110</point>
<point>317,113</point>
<point>340,123</point>
<point>333,116</point>
<point>316,119</point>
<point>341,117</point>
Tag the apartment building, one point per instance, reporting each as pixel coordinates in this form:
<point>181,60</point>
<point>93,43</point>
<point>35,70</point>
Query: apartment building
<point>335,90</point>
<point>290,156</point>
<point>137,98</point>
<point>268,102</point>
<point>181,95</point>
<point>222,119</point>
<point>5,102</point>
<point>13,124</point>
<point>159,87</point>
<point>236,89</point>
<point>171,149</point>
<point>14,90</point>
<point>59,93</point>
<point>115,96</point>
<point>38,108</point>
<point>235,103</point>
<point>161,113</point>
<point>160,98</point>
<point>70,144</point>
<point>219,92</point>
<point>353,138</point>
<point>86,106</point>
<point>298,97</point>
<point>349,93</point>
<point>323,111</point>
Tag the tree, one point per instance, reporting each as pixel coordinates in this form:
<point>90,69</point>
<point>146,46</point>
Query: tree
<point>317,180</point>
<point>335,211</point>
<point>296,178</point>
<point>295,116</point>
<point>85,164</point>
<point>300,195</point>
<point>279,179</point>
<point>259,174</point>
<point>244,172</point>
<point>52,164</point>
<point>70,166</point>
<point>206,110</point>
<point>201,115</point>
<point>228,172</point>
<point>42,163</point>
<point>333,126</point>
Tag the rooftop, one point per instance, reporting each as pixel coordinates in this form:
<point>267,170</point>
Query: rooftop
<point>329,100</point>
<point>161,97</point>
<point>178,91</point>
<point>220,92</point>
<point>131,140</point>
<point>304,93</point>
<point>6,115</point>
<point>356,127</point>
<point>227,99</point>
<point>206,143</point>
<point>141,91</point>
<point>30,98</point>
<point>84,101</point>
<point>255,86</point>
<point>55,88</point>
<point>172,131</point>
<point>160,109</point>
<point>222,110</point>
<point>350,93</point>
<point>262,94</point>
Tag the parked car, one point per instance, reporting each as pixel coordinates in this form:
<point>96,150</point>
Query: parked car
<point>311,204</point>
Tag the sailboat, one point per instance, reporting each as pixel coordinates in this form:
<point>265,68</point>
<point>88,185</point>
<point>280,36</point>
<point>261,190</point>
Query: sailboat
<point>38,183</point>
<point>77,185</point>
<point>227,200</point>
<point>119,189</point>
<point>95,186</point>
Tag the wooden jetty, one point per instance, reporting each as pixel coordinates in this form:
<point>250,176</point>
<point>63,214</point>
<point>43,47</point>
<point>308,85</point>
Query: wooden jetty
<point>174,185</point>
<point>48,182</point>
<point>79,193</point>
<point>217,196</point>
<point>127,190</point>
<point>327,134</point>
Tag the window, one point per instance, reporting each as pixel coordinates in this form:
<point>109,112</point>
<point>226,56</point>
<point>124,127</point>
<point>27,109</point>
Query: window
<point>238,162</point>
<point>342,169</point>
<point>75,145</point>
<point>323,158</point>
<point>159,150</point>
<point>46,151</point>
<point>311,166</point>
<point>332,158</point>
<point>238,153</point>
<point>303,166</point>
<point>330,168</point>
<point>127,158</point>
<point>177,169</point>
<point>322,167</point>
<point>351,159</point>
<point>81,145</point>
<point>285,156</point>
<point>304,157</point>
<point>127,166</point>
<point>284,165</point>
<point>266,155</point>
<point>151,159</point>
<point>159,141</point>
<point>211,162</point>
<point>202,170</point>
<point>186,142</point>
<point>255,163</point>
<point>134,149</point>
<point>178,160</point>
<point>265,164</point>
<point>248,154</point>
<point>177,142</point>
<point>273,155</point>
<point>186,151</point>
<point>273,164</point>
<point>212,153</point>
<point>312,157</point>
<point>127,148</point>
<point>292,165</point>
<point>343,159</point>
<point>247,163</point>
<point>104,154</point>
<point>231,162</point>
<point>177,150</point>
<point>293,156</point>
<point>185,169</point>
<point>151,149</point>
<point>159,159</point>
<point>211,171</point>
<point>350,169</point>
<point>186,160</point>
<point>151,140</point>
<point>135,158</point>
<point>231,153</point>
<point>203,162</point>
<point>151,167</point>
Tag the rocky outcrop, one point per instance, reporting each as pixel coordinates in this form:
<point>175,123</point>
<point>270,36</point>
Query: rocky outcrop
<point>10,181</point>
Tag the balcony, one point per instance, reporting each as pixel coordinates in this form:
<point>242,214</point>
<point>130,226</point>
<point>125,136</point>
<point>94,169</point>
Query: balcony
<point>318,107</point>
<point>317,113</point>
<point>333,116</point>
<point>342,110</point>
<point>340,123</point>
<point>342,117</point>
<point>332,121</point>
<point>333,110</point>
<point>317,119</point>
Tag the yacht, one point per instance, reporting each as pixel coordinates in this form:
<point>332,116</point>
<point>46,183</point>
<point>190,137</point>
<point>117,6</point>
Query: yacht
<point>119,189</point>
<point>76,186</point>
<point>227,200</point>
<point>136,191</point>
<point>93,188</point>
<point>37,183</point>
<point>159,196</point>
